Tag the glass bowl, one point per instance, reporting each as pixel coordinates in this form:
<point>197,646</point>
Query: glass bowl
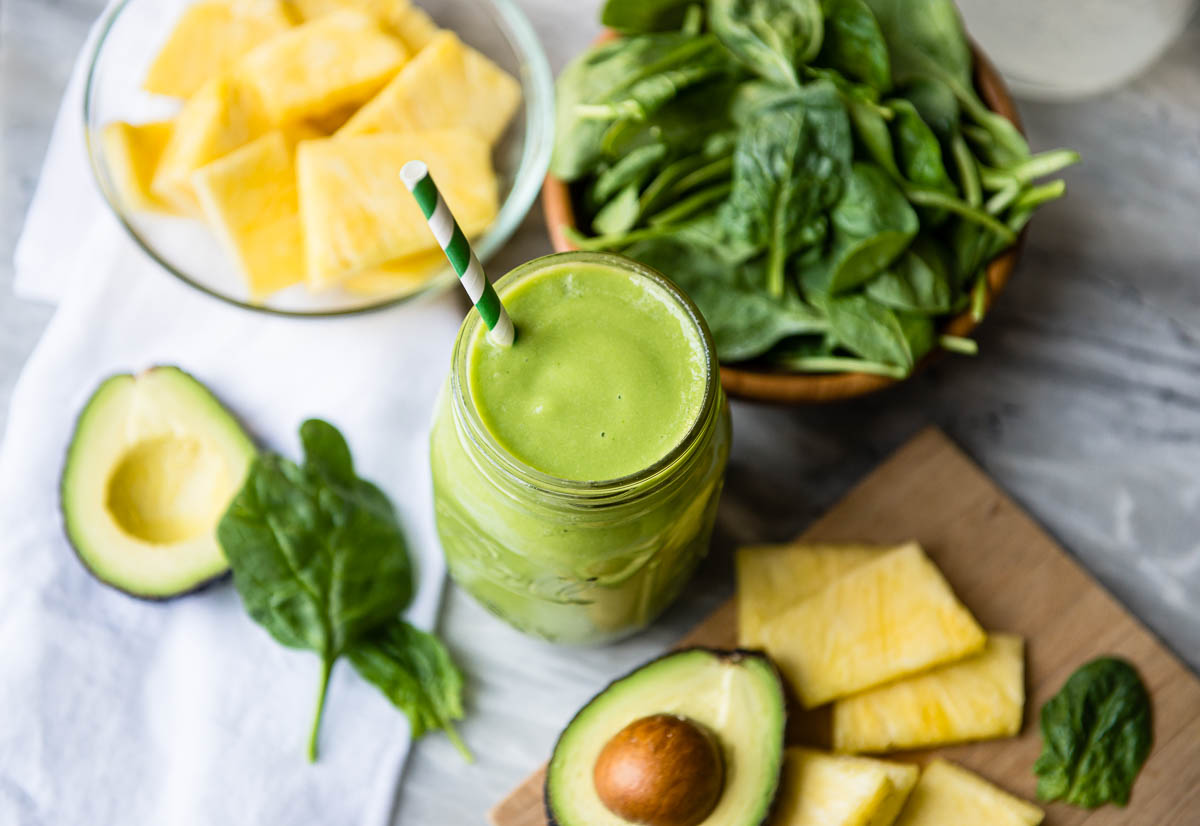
<point>130,36</point>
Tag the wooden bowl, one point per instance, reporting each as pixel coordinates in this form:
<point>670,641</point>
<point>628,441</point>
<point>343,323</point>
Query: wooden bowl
<point>763,383</point>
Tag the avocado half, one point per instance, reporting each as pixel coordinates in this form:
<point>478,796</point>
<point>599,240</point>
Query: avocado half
<point>736,695</point>
<point>153,464</point>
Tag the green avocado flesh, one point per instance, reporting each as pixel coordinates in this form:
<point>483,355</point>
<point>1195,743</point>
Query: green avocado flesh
<point>154,462</point>
<point>736,695</point>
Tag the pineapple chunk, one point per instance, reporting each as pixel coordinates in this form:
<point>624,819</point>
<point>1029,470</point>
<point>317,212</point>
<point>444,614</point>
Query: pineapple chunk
<point>820,789</point>
<point>447,85</point>
<point>977,698</point>
<point>218,119</point>
<point>208,40</point>
<point>398,17</point>
<point>949,795</point>
<point>396,278</point>
<point>338,60</point>
<point>883,620</point>
<point>249,197</point>
<point>133,153</point>
<point>773,578</point>
<point>358,214</point>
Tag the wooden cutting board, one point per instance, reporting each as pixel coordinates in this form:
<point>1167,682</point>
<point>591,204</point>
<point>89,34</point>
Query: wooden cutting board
<point>1014,577</point>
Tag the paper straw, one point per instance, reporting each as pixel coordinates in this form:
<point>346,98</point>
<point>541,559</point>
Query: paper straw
<point>452,241</point>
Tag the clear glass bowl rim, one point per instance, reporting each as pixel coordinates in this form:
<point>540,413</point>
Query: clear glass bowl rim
<point>537,84</point>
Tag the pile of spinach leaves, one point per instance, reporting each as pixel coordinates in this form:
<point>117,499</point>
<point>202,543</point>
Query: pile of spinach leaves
<point>819,175</point>
<point>320,561</point>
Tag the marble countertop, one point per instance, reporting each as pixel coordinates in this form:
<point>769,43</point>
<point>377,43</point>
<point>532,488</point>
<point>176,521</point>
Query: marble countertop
<point>1084,402</point>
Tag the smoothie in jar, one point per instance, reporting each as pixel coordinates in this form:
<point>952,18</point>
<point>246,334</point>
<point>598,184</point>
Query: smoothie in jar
<point>576,473</point>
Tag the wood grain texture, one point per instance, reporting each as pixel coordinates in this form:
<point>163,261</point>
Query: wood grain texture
<point>1014,577</point>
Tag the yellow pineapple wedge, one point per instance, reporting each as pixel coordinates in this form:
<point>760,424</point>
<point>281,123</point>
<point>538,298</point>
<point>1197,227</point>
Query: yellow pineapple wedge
<point>403,276</point>
<point>447,85</point>
<point>885,619</point>
<point>773,578</point>
<point>224,115</point>
<point>398,17</point>
<point>357,217</point>
<point>819,789</point>
<point>977,698</point>
<point>133,152</point>
<point>949,795</point>
<point>249,198</point>
<point>208,40</point>
<point>316,68</point>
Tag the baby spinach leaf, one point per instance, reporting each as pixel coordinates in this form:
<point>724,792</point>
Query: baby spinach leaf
<point>635,168</point>
<point>1096,734</point>
<point>620,214</point>
<point>414,670</point>
<point>788,168</point>
<point>867,329</point>
<point>637,16</point>
<point>771,37</point>
<point>918,281</point>
<point>917,149</point>
<point>854,45</point>
<point>745,322</point>
<point>872,224</point>
<point>318,555</point>
<point>936,105</point>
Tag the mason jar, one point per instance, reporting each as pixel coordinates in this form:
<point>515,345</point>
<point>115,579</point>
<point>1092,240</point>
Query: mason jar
<point>575,561</point>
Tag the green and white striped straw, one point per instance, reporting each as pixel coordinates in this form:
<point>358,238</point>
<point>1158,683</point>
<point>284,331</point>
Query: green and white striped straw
<point>452,241</point>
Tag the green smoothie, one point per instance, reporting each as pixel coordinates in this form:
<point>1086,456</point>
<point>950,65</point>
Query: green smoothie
<point>576,473</point>
<point>606,376</point>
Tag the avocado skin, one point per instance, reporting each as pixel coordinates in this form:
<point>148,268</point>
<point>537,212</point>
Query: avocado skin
<point>733,655</point>
<point>65,521</point>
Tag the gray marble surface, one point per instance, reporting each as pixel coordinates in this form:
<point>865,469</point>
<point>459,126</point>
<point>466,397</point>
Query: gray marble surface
<point>1084,401</point>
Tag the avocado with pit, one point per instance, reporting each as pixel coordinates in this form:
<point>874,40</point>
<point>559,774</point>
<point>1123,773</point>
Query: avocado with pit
<point>694,738</point>
<point>154,462</point>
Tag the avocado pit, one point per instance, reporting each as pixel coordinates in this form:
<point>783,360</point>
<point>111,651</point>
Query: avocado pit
<point>660,770</point>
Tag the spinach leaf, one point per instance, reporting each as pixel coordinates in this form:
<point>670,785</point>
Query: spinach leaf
<point>637,16</point>
<point>788,168</point>
<point>635,168</point>
<point>867,329</point>
<point>1096,735</point>
<point>872,224</point>
<point>919,281</point>
<point>917,149</point>
<point>414,670</point>
<point>620,214</point>
<point>771,37</point>
<point>853,44</point>
<point>745,322</point>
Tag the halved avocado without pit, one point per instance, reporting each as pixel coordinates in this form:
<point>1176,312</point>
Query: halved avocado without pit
<point>637,753</point>
<point>154,462</point>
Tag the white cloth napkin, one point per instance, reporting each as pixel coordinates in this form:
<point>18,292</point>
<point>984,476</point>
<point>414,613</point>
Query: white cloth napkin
<point>119,711</point>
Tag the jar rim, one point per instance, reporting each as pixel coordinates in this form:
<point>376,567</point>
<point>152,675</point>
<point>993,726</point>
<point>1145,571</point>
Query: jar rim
<point>466,414</point>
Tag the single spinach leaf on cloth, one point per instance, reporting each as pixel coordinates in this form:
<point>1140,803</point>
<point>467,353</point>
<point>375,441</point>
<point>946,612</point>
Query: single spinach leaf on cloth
<point>872,224</point>
<point>867,329</point>
<point>636,16</point>
<point>918,281</point>
<point>789,168</point>
<point>414,670</point>
<point>745,321</point>
<point>632,74</point>
<point>771,37</point>
<point>854,45</point>
<point>1096,735</point>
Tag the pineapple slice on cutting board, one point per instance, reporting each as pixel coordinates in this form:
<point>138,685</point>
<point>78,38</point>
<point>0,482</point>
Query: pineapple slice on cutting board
<point>977,698</point>
<point>399,17</point>
<point>447,85</point>
<point>133,152</point>
<point>358,217</point>
<point>819,789</point>
<point>208,40</point>
<point>316,68</point>
<point>949,795</point>
<point>885,619</point>
<point>403,276</point>
<point>224,115</point>
<point>773,578</point>
<point>249,198</point>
